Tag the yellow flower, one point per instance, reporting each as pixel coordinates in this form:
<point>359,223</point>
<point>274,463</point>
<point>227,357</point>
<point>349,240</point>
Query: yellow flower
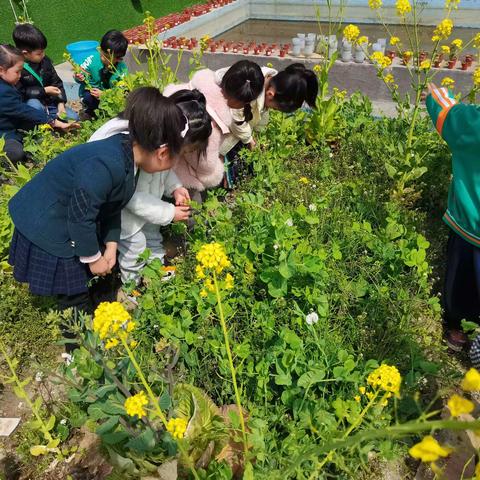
<point>203,293</point>
<point>435,38</point>
<point>476,41</point>
<point>384,403</point>
<point>452,4</point>
<point>407,53</point>
<point>209,285</point>
<point>134,405</point>
<point>471,381</point>
<point>317,69</point>
<point>111,343</point>
<point>388,78</point>
<point>425,65</point>
<point>228,281</point>
<point>351,32</point>
<point>200,272</point>
<point>362,390</point>
<point>445,49</point>
<point>403,7</point>
<point>381,60</point>
<point>177,427</point>
<point>375,4</point>
<point>370,395</point>
<point>136,293</point>
<point>362,40</point>
<point>477,471</point>
<point>444,28</point>
<point>429,450</point>
<point>457,43</point>
<point>357,398</point>
<point>476,77</point>
<point>448,82</point>
<point>394,40</point>
<point>109,317</point>
<point>212,256</point>
<point>304,180</point>
<point>133,344</point>
<point>459,405</point>
<point>387,378</point>
<point>45,127</point>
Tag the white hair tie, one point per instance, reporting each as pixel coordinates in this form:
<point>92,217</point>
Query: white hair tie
<point>185,130</point>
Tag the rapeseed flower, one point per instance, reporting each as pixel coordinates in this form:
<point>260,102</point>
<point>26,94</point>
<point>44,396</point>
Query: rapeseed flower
<point>457,43</point>
<point>381,60</point>
<point>362,40</point>
<point>177,427</point>
<point>228,281</point>
<point>394,40</point>
<point>448,82</point>
<point>444,29</point>
<point>452,4</point>
<point>304,180</point>
<point>362,390</point>
<point>317,69</point>
<point>351,32</point>
<point>375,4</point>
<point>387,378</point>
<point>425,65</point>
<point>111,343</point>
<point>459,405</point>
<point>471,380</point>
<point>388,78</point>
<point>403,7</point>
<point>110,319</point>
<point>476,41</point>
<point>429,450</point>
<point>134,405</point>
<point>212,256</point>
<point>476,77</point>
<point>445,49</point>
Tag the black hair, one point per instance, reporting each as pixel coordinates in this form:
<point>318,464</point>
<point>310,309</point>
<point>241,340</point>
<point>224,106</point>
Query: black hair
<point>154,120</point>
<point>293,86</point>
<point>28,37</point>
<point>115,43</point>
<point>194,106</point>
<point>9,56</point>
<point>244,81</point>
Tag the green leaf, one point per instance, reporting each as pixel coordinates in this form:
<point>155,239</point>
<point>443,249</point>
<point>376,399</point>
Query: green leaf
<point>165,402</point>
<point>311,378</point>
<point>104,389</point>
<point>107,426</point>
<point>115,437</point>
<point>145,442</point>
<point>54,443</point>
<point>283,379</point>
<point>37,450</point>
<point>50,423</point>
<point>248,472</point>
<point>95,412</point>
<point>113,408</point>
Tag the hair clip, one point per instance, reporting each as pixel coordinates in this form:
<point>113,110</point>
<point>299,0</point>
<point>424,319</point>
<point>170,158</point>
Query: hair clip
<point>247,80</point>
<point>184,132</point>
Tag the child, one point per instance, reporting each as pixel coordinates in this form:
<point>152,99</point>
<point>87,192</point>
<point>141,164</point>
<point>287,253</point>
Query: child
<point>102,69</point>
<point>68,217</point>
<point>14,114</point>
<point>199,166</point>
<point>459,126</point>
<point>286,91</point>
<point>146,211</point>
<point>39,85</point>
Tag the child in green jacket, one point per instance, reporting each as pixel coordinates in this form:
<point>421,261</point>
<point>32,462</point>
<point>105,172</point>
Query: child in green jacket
<point>102,70</point>
<point>459,126</point>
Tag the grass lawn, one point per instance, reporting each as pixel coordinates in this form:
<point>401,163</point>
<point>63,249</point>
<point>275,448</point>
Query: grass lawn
<point>66,21</point>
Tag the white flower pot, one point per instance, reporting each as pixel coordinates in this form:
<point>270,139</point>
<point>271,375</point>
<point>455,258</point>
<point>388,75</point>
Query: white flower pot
<point>346,56</point>
<point>359,57</point>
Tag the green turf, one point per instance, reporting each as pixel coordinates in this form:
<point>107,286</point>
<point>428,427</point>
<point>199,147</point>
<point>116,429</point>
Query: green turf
<point>66,21</point>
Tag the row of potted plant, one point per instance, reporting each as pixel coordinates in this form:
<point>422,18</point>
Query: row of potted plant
<point>140,34</point>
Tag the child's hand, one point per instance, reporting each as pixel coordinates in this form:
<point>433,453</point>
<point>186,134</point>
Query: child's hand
<point>100,267</point>
<point>80,77</point>
<point>110,254</point>
<point>95,92</point>
<point>65,126</point>
<point>181,196</point>
<point>52,91</point>
<point>252,144</point>
<point>182,214</point>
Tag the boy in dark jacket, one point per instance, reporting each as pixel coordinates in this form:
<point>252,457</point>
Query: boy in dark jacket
<point>39,85</point>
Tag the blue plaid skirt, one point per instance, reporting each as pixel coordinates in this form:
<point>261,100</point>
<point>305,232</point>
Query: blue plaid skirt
<point>45,273</point>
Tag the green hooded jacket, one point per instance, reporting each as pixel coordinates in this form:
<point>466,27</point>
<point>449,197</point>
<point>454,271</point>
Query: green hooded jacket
<point>459,125</point>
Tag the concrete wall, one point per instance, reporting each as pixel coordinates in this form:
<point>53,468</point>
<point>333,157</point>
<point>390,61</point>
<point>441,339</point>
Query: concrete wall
<point>345,76</point>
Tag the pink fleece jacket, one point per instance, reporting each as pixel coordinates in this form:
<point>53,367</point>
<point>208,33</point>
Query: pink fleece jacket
<point>207,170</point>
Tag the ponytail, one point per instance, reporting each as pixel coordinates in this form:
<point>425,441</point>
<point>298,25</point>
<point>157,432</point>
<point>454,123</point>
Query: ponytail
<point>194,106</point>
<point>294,86</point>
<point>244,82</point>
<point>9,56</point>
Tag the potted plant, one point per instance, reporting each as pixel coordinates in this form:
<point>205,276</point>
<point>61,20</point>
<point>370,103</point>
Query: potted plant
<point>437,60</point>
<point>406,57</point>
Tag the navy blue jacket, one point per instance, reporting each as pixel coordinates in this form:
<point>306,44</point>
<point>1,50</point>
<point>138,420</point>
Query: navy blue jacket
<point>16,115</point>
<point>29,87</point>
<point>77,198</point>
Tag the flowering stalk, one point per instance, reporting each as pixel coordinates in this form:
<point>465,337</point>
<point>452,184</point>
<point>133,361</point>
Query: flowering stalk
<point>21,393</point>
<point>231,365</point>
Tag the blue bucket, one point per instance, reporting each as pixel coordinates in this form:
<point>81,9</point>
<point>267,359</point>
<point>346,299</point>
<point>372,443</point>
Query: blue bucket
<point>81,50</point>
